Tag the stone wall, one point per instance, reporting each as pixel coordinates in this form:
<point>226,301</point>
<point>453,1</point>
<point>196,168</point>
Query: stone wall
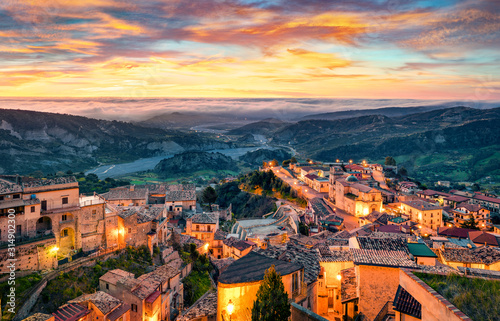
<point>377,285</point>
<point>33,256</point>
<point>25,309</point>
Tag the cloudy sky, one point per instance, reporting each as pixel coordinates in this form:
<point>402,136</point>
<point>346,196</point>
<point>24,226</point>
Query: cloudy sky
<point>370,49</point>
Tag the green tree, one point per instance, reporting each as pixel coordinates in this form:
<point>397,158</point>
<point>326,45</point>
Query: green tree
<point>293,160</point>
<point>403,172</point>
<point>389,160</point>
<point>470,223</point>
<point>285,163</point>
<point>272,300</point>
<point>209,195</point>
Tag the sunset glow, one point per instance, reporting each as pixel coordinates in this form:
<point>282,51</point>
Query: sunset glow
<point>339,49</point>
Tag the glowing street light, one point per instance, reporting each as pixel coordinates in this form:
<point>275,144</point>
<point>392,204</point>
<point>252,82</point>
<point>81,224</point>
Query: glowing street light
<point>339,277</point>
<point>230,308</point>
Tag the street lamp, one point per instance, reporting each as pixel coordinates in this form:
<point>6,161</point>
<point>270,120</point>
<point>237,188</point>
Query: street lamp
<point>230,308</point>
<point>339,277</point>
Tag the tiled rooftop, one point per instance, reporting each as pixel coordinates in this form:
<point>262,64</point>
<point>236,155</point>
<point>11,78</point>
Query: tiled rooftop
<point>482,255</point>
<point>121,310</point>
<point>205,218</point>
<point>301,255</point>
<point>102,300</point>
<point>206,306</point>
<point>221,264</point>
<point>405,303</point>
<point>382,244</point>
<point>38,317</point>
<point>49,181</point>
<point>70,312</point>
<point>220,235</point>
<point>149,282</point>
<point>348,289</point>
<point>338,256</point>
<point>482,237</point>
<point>116,275</point>
<point>382,258</point>
<point>144,214</point>
<point>252,267</point>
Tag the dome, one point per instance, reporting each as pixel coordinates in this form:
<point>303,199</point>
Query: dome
<point>351,178</point>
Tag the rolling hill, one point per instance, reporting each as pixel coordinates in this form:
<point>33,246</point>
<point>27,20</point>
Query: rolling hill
<point>31,141</point>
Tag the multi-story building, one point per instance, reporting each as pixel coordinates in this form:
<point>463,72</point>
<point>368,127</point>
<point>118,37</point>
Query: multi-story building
<point>51,220</point>
<point>423,213</point>
<point>464,211</point>
<point>356,198</point>
<point>153,296</point>
<point>202,226</point>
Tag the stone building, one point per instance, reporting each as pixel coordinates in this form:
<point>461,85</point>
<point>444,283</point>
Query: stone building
<point>153,296</point>
<point>356,198</point>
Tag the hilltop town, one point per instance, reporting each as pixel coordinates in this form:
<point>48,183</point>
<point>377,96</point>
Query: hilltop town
<point>363,248</point>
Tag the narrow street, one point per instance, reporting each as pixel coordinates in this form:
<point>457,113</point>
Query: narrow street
<point>350,221</point>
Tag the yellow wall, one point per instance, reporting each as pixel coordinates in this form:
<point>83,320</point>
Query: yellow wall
<point>377,285</point>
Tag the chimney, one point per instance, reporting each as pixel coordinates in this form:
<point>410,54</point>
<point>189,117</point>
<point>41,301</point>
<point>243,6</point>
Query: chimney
<point>132,188</point>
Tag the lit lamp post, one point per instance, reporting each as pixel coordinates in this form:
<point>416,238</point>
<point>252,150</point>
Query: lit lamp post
<point>230,309</point>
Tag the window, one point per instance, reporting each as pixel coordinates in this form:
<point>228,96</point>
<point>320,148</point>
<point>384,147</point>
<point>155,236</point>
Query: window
<point>64,233</point>
<point>1,198</point>
<point>64,217</point>
<point>32,209</point>
<point>44,205</point>
<point>134,307</point>
<point>18,230</point>
<point>65,200</point>
<point>16,196</point>
<point>107,286</point>
<point>130,230</point>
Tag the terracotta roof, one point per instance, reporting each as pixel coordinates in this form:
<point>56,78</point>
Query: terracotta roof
<point>311,176</point>
<point>456,198</point>
<point>116,275</point>
<point>29,183</point>
<point>252,267</point>
<point>238,244</point>
<point>70,312</point>
<point>121,310</point>
<point>470,207</point>
<point>405,303</point>
<point>220,235</point>
<point>152,297</point>
<point>151,281</point>
<point>454,231</point>
<point>144,214</point>
<point>487,199</point>
<point>127,193</point>
<point>102,300</point>
<point>7,187</point>
<point>376,216</point>
<point>181,192</point>
<point>348,288</point>
<point>320,207</point>
<point>483,238</point>
<point>364,188</point>
<point>483,255</point>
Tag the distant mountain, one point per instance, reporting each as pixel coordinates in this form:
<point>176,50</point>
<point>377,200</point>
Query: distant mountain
<point>455,143</point>
<point>190,162</point>
<point>263,127</point>
<point>387,111</point>
<point>185,121</point>
<point>50,142</point>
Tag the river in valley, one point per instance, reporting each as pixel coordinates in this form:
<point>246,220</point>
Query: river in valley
<point>144,164</point>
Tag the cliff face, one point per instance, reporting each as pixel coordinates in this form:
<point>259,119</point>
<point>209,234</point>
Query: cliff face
<point>31,141</point>
<point>190,162</point>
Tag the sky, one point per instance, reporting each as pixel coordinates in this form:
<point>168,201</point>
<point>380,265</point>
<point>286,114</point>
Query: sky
<point>368,49</point>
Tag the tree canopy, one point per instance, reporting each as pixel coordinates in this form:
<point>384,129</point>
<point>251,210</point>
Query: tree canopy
<point>272,300</point>
<point>389,160</point>
<point>209,195</point>
<point>470,223</point>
